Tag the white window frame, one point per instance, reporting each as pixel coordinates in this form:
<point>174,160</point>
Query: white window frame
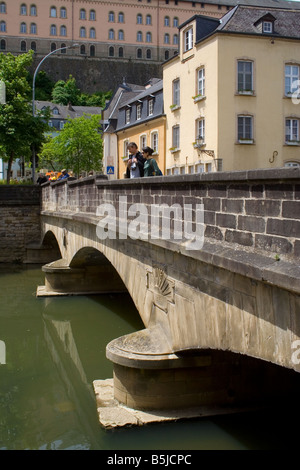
<point>292,131</point>
<point>243,135</point>
<point>188,39</point>
<point>176,136</point>
<point>267,27</point>
<point>150,107</point>
<point>127,115</point>
<point>143,141</point>
<point>154,140</point>
<point>244,76</point>
<point>176,92</point>
<point>200,129</point>
<point>291,77</point>
<point>138,111</point>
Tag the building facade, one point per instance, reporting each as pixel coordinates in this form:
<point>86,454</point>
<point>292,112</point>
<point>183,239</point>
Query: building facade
<point>231,94</point>
<point>137,29</point>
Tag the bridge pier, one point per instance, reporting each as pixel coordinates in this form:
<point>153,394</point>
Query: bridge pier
<point>62,279</point>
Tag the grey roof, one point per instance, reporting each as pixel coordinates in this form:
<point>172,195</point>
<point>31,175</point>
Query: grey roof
<point>243,19</point>
<point>65,112</point>
<point>158,86</point>
<point>256,3</point>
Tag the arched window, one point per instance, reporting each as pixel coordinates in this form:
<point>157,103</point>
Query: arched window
<point>23,46</point>
<point>139,19</point>
<point>33,10</point>
<point>63,51</point>
<point>53,46</point>
<point>33,46</point>
<point>175,22</point>
<point>2,7</point>
<point>111,51</point>
<point>175,39</point>
<point>82,49</point>
<point>63,12</point>
<point>121,17</point>
<point>167,38</point>
<point>111,34</point>
<point>121,35</point>
<point>139,36</point>
<point>139,54</point>
<point>111,17</point>
<point>121,52</point>
<point>92,51</point>
<point>82,32</point>
<point>23,9</point>
<point>23,28</point>
<point>166,21</point>
<point>2,27</point>
<point>92,15</point>
<point>82,14</point>
<point>148,54</point>
<point>53,30</point>
<point>63,30</point>
<point>2,45</point>
<point>92,33</point>
<point>33,28</point>
<point>167,55</point>
<point>148,37</point>
<point>148,19</point>
<point>53,12</point>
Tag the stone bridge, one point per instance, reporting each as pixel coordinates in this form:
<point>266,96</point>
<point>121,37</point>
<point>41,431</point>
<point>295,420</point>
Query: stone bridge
<point>222,320</point>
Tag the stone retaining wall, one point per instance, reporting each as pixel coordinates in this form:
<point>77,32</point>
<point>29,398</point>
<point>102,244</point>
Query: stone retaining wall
<point>19,221</point>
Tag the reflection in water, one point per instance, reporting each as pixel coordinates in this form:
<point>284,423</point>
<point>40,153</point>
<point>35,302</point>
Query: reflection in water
<point>55,348</point>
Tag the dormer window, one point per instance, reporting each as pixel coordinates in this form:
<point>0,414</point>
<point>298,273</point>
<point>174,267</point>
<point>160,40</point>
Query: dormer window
<point>267,27</point>
<point>55,111</point>
<point>188,39</point>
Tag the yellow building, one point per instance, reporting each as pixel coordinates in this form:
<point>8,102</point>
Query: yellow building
<point>230,95</point>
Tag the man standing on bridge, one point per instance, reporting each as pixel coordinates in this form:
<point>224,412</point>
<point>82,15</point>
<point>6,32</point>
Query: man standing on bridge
<point>135,165</point>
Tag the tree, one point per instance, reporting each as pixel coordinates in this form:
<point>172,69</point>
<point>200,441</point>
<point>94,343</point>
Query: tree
<point>43,86</point>
<point>78,146</point>
<point>19,130</point>
<point>66,92</point>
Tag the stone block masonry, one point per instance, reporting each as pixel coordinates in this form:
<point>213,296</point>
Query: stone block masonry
<point>19,221</point>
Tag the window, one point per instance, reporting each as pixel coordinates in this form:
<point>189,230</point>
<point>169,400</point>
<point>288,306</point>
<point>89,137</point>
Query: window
<point>82,14</point>
<point>292,131</point>
<point>111,34</point>
<point>61,125</point>
<point>2,7</point>
<point>166,21</point>
<point>175,40</point>
<point>63,51</point>
<point>292,164</point>
<point>121,35</point>
<point>63,12</point>
<point>2,43</point>
<point>138,111</point>
<point>154,141</point>
<point>111,17</point>
<point>245,76</point>
<point>23,9</point>
<point>175,137</point>
<point>267,27</point>
<point>200,129</point>
<point>175,22</point>
<point>121,17</point>
<point>139,36</point>
<point>291,79</point>
<point>92,51</point>
<point>33,11</point>
<point>148,37</point>
<point>92,33</point>
<point>111,51</point>
<point>143,141</point>
<point>139,19</point>
<point>53,12</point>
<point>121,52</point>
<point>176,92</point>
<point>33,28</point>
<point>245,129</point>
<point>139,54</point>
<point>188,39</point>
<point>148,54</point>
<point>148,19</point>
<point>2,27</point>
<point>167,38</point>
<point>201,81</point>
<point>53,46</point>
<point>82,32</point>
<point>167,55</point>
<point>150,107</point>
<point>23,28</point>
<point>63,30</point>
<point>53,30</point>
<point>23,46</point>
<point>127,115</point>
<point>92,15</point>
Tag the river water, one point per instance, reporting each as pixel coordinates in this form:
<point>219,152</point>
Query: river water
<point>53,349</point>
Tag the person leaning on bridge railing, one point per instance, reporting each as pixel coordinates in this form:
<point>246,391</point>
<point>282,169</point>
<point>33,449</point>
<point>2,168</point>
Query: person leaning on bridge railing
<point>135,164</point>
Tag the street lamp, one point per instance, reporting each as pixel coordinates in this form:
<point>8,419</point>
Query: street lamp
<point>73,46</point>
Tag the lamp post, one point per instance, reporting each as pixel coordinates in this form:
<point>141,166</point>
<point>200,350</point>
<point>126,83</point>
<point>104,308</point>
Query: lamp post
<point>73,46</point>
